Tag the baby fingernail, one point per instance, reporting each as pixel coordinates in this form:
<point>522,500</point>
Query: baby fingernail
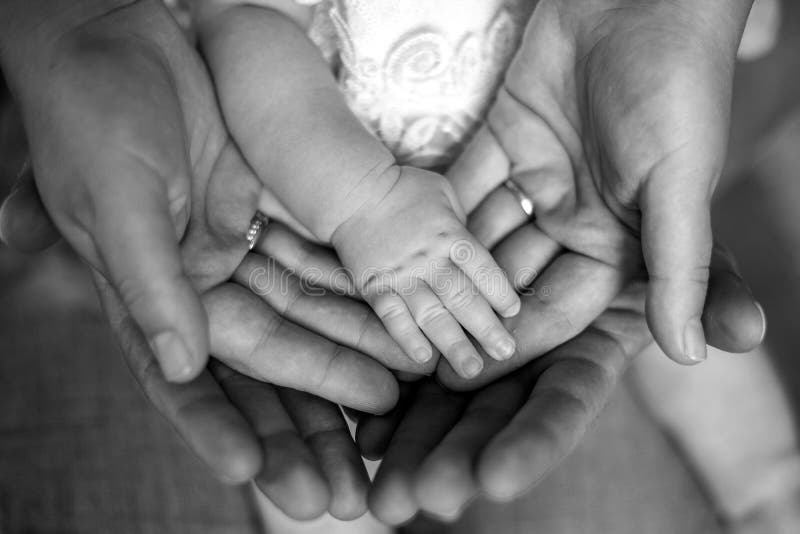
<point>505,347</point>
<point>422,355</point>
<point>173,355</point>
<point>694,341</point>
<point>472,367</point>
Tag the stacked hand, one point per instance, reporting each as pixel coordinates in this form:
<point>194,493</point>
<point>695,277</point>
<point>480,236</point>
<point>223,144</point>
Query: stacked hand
<point>136,170</point>
<point>442,449</point>
<point>613,120</point>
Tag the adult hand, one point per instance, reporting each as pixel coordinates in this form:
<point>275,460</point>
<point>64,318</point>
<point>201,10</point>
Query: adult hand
<point>296,446</point>
<point>442,449</point>
<point>154,107</point>
<point>613,120</point>
<point>123,145</point>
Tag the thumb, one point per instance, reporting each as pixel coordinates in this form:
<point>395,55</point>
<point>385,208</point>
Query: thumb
<point>134,234</point>
<point>676,243</point>
<point>24,224</point>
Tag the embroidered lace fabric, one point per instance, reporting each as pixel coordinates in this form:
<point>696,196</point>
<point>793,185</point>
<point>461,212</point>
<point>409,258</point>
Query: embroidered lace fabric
<point>419,74</point>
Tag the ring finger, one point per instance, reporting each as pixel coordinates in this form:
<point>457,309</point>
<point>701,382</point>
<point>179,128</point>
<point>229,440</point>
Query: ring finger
<point>524,254</point>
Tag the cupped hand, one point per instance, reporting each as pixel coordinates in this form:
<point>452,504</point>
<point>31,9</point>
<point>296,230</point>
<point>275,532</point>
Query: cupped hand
<point>124,140</point>
<point>296,446</point>
<point>442,449</point>
<point>613,120</point>
<point>161,137</point>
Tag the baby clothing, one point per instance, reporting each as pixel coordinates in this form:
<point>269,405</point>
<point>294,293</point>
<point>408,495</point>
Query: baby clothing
<point>419,74</point>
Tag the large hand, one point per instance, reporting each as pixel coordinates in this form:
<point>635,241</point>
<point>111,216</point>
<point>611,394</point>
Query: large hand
<point>442,449</point>
<point>296,446</point>
<point>613,119</point>
<point>124,140</point>
<point>245,332</point>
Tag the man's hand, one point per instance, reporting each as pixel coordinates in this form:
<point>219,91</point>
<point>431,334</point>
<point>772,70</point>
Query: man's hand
<point>613,119</point>
<point>442,449</point>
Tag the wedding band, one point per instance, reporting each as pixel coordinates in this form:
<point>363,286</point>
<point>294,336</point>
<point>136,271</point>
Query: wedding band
<point>256,227</point>
<point>525,202</point>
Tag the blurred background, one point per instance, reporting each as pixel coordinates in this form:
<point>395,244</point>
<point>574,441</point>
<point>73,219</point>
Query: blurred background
<point>81,449</point>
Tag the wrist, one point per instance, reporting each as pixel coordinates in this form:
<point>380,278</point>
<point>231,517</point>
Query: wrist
<point>358,204</point>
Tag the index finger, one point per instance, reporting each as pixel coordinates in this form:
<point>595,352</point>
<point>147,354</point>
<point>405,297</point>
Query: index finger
<point>253,339</point>
<point>336,317</point>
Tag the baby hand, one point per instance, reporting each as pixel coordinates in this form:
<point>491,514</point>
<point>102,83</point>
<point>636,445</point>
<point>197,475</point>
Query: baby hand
<point>416,264</point>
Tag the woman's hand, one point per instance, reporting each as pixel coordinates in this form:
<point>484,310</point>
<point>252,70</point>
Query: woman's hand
<point>297,447</point>
<point>154,105</point>
<point>442,449</point>
<point>613,120</point>
<point>125,142</point>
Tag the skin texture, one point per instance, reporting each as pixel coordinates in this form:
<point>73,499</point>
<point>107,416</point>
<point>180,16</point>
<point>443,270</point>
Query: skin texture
<point>613,119</point>
<point>238,426</point>
<point>154,107</point>
<point>398,230</point>
<point>441,449</point>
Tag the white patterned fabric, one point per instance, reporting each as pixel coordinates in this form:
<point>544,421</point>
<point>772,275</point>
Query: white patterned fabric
<point>419,74</point>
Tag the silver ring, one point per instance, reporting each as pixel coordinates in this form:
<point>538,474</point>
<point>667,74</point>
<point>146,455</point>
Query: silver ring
<point>525,202</point>
<point>256,227</point>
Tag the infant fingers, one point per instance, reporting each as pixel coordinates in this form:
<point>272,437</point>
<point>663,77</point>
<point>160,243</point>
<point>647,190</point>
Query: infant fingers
<point>394,315</point>
<point>459,296</point>
<point>444,331</point>
<point>477,263</point>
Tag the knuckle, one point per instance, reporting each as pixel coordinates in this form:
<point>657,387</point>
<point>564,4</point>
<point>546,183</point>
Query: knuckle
<point>261,348</point>
<point>460,298</point>
<point>392,313</point>
<point>145,295</point>
<point>335,355</point>
<point>136,294</point>
<point>292,295</point>
<point>432,315</point>
<point>362,334</point>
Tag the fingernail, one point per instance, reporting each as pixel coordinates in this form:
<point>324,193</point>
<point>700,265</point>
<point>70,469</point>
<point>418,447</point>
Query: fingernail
<point>472,367</point>
<point>3,237</point>
<point>763,322</point>
<point>513,310</point>
<point>505,347</point>
<point>694,341</point>
<point>173,355</point>
<point>422,355</point>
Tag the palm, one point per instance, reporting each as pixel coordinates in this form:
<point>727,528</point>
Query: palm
<point>440,449</point>
<point>149,140</point>
<point>606,107</point>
